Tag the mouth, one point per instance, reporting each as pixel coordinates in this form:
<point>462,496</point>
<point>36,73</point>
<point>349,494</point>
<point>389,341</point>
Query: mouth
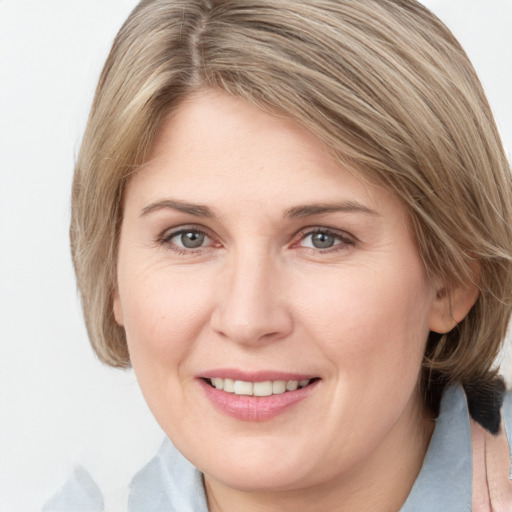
<point>257,399</point>
<point>258,389</point>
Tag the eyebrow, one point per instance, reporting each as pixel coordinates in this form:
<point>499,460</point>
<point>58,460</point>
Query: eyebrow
<point>322,208</point>
<point>295,212</point>
<point>197,210</point>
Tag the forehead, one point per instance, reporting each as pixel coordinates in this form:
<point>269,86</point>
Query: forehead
<point>220,150</point>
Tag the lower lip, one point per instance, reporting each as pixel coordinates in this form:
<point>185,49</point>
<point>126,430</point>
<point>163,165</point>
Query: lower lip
<point>255,408</point>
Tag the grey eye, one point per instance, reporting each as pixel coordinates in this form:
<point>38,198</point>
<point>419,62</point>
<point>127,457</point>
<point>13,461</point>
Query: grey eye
<point>322,240</point>
<point>191,239</point>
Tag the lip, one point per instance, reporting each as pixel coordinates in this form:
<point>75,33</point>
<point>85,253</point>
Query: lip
<point>255,408</point>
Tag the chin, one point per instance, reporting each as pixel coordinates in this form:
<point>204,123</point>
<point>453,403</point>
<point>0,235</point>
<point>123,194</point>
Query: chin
<point>260,479</point>
<point>263,470</point>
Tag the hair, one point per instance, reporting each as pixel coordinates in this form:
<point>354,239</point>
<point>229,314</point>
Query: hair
<point>383,83</point>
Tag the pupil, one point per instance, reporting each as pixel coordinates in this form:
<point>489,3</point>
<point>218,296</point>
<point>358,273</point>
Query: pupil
<point>322,240</point>
<point>192,239</point>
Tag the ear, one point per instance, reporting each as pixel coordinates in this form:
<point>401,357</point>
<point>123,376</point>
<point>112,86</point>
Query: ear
<point>451,305</point>
<point>118,309</point>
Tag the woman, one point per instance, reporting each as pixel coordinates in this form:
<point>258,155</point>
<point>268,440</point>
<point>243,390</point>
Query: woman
<point>294,220</point>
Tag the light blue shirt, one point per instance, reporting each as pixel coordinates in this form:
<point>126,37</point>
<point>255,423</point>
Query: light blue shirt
<point>170,483</point>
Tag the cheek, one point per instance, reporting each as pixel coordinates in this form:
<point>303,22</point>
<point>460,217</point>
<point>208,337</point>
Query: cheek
<point>373,329</point>
<point>376,319</point>
<point>164,314</point>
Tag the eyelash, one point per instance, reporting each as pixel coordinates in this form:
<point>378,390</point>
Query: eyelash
<point>344,239</point>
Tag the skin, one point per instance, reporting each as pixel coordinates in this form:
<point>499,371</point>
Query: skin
<point>259,294</point>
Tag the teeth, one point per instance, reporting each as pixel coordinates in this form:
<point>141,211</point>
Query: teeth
<point>292,385</point>
<point>229,385</point>
<point>278,387</point>
<point>266,388</point>
<point>217,383</point>
<point>262,388</point>
<point>243,388</point>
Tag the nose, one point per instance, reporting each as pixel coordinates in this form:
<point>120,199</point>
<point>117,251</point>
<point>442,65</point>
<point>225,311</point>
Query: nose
<point>251,305</point>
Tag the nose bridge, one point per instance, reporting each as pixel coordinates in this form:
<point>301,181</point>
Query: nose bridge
<point>251,306</point>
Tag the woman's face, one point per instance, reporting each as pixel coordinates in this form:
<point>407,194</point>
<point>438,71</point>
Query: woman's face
<point>251,261</point>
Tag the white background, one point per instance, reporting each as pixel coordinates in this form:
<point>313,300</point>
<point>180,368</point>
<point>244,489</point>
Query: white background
<point>58,405</point>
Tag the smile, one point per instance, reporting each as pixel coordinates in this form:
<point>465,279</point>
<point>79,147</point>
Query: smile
<point>266,388</point>
<point>256,399</point>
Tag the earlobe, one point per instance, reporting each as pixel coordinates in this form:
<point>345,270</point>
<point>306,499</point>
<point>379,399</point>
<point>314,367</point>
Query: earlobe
<point>451,306</point>
<point>118,310</point>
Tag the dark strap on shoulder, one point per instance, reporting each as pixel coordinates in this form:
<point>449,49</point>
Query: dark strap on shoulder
<point>485,400</point>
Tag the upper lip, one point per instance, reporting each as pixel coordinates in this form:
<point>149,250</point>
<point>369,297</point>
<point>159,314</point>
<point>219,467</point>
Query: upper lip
<point>254,376</point>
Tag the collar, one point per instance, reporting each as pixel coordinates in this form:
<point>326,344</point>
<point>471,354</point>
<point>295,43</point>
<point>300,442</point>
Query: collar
<point>168,482</point>
<point>445,479</point>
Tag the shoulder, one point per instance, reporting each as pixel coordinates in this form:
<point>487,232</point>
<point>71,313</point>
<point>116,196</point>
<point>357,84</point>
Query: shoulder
<point>80,492</point>
<point>455,457</point>
<point>167,482</point>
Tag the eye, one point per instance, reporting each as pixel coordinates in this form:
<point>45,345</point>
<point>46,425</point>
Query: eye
<point>323,239</point>
<point>186,239</point>
<point>189,239</point>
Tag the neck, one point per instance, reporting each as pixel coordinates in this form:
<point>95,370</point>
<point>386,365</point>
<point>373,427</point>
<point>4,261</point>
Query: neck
<point>380,483</point>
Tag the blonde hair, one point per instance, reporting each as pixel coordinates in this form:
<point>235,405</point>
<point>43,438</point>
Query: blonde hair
<point>382,82</point>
